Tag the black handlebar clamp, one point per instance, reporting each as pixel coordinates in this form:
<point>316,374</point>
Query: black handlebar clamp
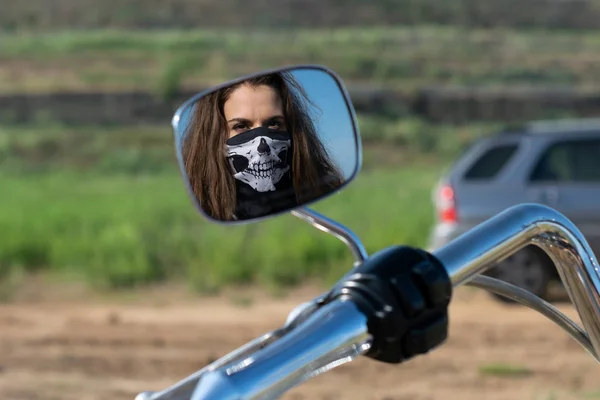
<point>405,293</point>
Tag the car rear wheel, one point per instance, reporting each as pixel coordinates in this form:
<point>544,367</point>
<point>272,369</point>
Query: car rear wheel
<point>526,269</point>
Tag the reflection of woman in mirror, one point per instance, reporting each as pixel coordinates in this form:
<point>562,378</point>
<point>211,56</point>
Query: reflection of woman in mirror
<point>251,149</point>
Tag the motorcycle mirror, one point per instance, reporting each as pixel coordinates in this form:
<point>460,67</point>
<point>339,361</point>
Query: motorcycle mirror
<point>267,143</point>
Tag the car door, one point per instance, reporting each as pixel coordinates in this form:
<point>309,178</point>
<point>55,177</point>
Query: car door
<point>566,177</point>
<point>482,182</point>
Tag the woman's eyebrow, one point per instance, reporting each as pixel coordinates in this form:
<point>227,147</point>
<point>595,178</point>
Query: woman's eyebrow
<point>239,120</point>
<point>247,120</point>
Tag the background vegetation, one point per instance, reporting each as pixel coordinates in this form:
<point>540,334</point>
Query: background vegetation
<point>152,14</point>
<point>400,57</point>
<point>106,203</point>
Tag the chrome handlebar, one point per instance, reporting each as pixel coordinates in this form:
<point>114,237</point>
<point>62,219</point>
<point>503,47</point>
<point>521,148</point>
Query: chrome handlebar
<point>506,233</point>
<point>318,338</point>
<point>335,334</point>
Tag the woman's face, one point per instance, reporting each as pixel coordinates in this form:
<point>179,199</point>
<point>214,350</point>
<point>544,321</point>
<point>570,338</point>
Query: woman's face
<point>250,107</point>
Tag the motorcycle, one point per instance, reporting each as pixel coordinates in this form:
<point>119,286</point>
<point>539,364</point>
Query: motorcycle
<point>280,140</point>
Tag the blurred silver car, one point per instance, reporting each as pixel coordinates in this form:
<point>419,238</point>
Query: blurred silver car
<point>556,163</point>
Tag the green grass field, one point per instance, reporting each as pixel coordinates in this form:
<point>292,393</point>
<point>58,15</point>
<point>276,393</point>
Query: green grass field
<point>402,57</point>
<point>108,206</point>
<point>123,230</point>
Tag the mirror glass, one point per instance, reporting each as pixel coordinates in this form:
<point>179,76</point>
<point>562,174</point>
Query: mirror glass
<point>268,143</point>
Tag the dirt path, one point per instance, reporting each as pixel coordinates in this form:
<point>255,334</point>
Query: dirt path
<point>112,350</point>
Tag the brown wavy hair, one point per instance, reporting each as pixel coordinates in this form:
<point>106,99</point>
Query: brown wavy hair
<point>210,176</point>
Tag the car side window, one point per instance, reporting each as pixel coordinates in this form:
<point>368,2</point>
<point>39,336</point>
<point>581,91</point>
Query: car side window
<point>491,162</point>
<point>576,160</point>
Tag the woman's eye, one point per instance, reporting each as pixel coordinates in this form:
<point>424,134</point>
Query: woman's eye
<point>275,124</point>
<point>238,127</point>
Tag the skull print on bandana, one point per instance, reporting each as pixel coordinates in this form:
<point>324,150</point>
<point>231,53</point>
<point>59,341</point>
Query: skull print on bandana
<point>260,157</point>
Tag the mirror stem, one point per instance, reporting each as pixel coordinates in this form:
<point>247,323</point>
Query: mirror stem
<point>336,229</point>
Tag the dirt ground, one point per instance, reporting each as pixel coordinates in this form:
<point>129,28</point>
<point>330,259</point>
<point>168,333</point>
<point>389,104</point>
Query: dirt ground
<point>79,346</point>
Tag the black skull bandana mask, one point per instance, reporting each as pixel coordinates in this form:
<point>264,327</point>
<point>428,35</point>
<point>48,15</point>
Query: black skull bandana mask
<point>261,162</point>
